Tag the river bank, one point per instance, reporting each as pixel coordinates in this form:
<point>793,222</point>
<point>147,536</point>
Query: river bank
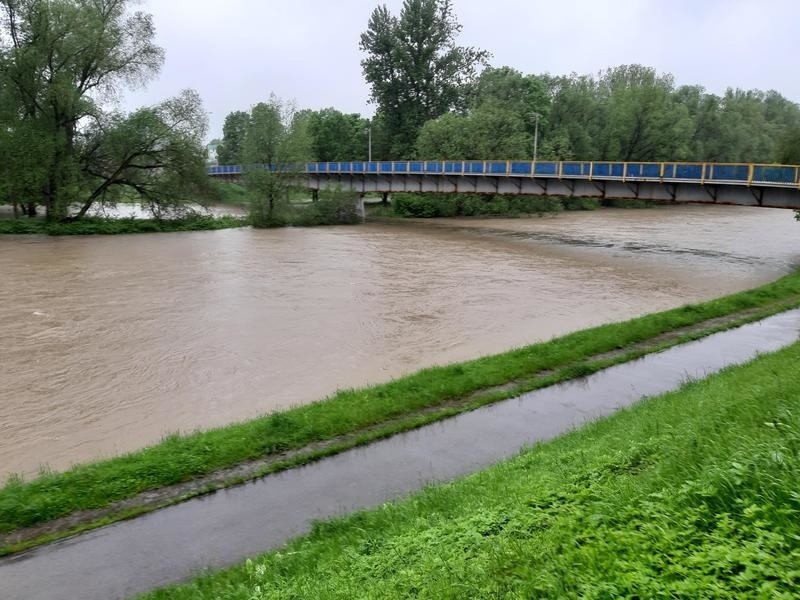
<point>116,226</point>
<point>689,494</point>
<point>94,494</point>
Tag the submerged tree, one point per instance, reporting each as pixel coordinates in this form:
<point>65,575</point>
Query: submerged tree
<point>415,69</point>
<point>62,62</point>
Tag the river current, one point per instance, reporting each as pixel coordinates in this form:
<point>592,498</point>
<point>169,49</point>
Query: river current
<point>108,344</point>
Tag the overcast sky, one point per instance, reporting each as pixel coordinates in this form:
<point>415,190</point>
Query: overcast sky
<point>236,52</point>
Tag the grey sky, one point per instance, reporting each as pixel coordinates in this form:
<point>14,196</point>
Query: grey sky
<point>236,52</point>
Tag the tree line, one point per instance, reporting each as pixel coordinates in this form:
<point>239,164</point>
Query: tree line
<point>437,100</point>
<point>66,147</point>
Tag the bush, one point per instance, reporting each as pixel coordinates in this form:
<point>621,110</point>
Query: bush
<point>421,206</point>
<point>427,206</point>
<point>340,210</point>
<point>630,203</point>
<point>581,203</point>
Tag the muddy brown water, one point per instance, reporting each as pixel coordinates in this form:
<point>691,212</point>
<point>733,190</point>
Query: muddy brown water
<point>178,542</point>
<point>109,343</point>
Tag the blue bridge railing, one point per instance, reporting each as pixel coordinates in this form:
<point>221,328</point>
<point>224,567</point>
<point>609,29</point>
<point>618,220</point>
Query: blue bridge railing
<point>671,172</point>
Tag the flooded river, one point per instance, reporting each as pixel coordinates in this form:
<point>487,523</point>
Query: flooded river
<point>109,343</point>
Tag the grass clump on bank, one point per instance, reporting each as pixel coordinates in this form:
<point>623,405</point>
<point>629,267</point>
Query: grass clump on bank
<point>688,495</point>
<point>183,458</point>
<point>103,226</point>
<point>426,206</point>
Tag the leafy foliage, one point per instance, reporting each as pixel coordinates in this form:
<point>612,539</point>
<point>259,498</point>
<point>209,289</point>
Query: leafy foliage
<point>59,60</point>
<point>632,113</point>
<point>415,69</point>
<point>472,205</point>
<point>234,130</point>
<point>489,131</point>
<point>275,142</point>
<point>336,136</point>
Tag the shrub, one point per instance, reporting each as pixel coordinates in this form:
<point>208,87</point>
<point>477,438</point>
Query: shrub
<point>581,203</point>
<point>339,210</point>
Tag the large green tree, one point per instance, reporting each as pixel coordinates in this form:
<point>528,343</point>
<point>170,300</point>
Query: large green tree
<point>415,69</point>
<point>62,63</point>
<point>491,131</point>
<point>229,152</point>
<point>336,136</point>
<point>642,119</point>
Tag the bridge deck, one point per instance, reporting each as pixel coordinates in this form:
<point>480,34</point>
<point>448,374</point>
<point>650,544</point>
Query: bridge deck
<point>663,172</point>
<point>738,183</point>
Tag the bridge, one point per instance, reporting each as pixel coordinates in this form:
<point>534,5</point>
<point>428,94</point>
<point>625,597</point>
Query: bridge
<point>776,186</point>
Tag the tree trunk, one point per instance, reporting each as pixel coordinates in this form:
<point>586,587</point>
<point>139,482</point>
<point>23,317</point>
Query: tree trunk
<point>30,209</point>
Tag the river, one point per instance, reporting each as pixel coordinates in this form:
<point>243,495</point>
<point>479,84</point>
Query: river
<point>108,344</point>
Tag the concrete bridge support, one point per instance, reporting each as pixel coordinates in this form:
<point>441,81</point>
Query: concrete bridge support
<point>667,191</point>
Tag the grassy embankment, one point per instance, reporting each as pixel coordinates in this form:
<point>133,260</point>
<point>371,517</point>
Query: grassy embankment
<point>353,417</point>
<point>692,494</point>
<point>103,226</point>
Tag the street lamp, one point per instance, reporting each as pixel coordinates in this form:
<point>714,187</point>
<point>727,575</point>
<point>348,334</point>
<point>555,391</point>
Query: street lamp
<point>535,116</point>
<point>369,140</point>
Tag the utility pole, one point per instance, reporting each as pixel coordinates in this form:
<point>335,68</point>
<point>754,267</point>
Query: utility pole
<point>535,116</point>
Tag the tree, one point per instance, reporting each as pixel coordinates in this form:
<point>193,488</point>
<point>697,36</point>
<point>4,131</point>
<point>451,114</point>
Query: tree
<point>507,89</point>
<point>234,129</point>
<point>275,142</point>
<point>415,70</point>
<point>787,151</point>
<point>489,132</point>
<point>336,136</point>
<point>26,150</point>
<point>58,60</point>
<point>642,119</point>
<point>155,152</point>
<point>575,118</point>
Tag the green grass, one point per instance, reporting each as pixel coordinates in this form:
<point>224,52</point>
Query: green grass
<point>102,226</point>
<point>230,193</point>
<point>182,458</point>
<point>693,494</point>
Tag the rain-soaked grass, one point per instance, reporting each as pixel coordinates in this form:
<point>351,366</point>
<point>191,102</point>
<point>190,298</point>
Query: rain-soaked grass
<point>693,494</point>
<point>183,458</point>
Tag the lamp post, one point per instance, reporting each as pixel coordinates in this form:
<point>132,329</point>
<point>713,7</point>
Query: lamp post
<point>535,116</point>
<point>369,140</point>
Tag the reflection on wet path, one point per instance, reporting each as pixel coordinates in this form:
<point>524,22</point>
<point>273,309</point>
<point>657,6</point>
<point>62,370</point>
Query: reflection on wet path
<point>109,343</point>
<point>222,529</point>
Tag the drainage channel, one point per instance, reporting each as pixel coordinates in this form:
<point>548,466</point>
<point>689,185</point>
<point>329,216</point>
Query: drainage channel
<point>221,529</point>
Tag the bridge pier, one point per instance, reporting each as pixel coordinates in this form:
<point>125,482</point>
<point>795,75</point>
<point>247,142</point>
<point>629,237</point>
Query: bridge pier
<point>360,210</point>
